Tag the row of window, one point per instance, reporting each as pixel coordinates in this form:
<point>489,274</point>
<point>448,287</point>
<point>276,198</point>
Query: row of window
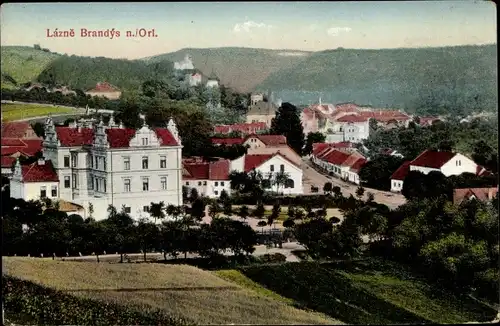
<point>99,162</point>
<point>282,168</point>
<point>204,183</point>
<point>43,192</point>
<point>127,184</point>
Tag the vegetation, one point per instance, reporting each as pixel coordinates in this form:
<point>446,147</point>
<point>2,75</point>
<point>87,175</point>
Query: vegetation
<point>182,292</point>
<point>12,112</point>
<point>287,123</point>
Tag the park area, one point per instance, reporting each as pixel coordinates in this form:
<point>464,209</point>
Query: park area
<point>13,112</point>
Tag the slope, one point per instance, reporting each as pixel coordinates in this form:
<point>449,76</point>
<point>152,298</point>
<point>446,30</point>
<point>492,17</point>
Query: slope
<point>238,68</point>
<point>181,291</point>
<point>24,63</point>
<point>461,76</point>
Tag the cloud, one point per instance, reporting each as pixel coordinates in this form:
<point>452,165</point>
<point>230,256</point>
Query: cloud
<point>334,31</point>
<point>250,25</point>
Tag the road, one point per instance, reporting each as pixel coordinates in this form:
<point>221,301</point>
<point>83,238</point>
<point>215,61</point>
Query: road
<point>318,179</point>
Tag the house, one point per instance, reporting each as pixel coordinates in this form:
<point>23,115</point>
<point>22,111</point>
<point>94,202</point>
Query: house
<point>35,181</point>
<point>261,110</point>
<point>213,81</point>
<point>323,148</point>
<point>399,175</point>
<point>18,139</point>
<point>208,178</point>
<point>480,194</point>
<point>18,130</point>
<point>257,141</point>
<point>391,152</point>
<point>112,165</point>
<point>353,175</point>
<point>106,90</point>
<point>388,119</point>
<point>185,64</point>
<point>194,79</point>
<point>243,128</point>
<point>428,121</point>
<point>269,165</point>
<point>448,163</point>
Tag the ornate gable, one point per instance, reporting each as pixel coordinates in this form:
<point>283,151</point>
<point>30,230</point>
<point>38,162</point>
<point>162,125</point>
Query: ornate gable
<point>50,139</point>
<point>18,172</point>
<point>172,127</point>
<point>100,137</point>
<point>145,137</point>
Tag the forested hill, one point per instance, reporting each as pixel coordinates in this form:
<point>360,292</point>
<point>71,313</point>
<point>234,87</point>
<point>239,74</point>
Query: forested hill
<point>85,72</point>
<point>463,77</point>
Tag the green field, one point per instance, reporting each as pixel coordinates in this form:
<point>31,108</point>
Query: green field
<point>180,291</point>
<point>13,112</point>
<point>366,294</point>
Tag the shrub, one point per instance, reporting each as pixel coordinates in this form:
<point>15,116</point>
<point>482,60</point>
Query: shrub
<point>273,258</point>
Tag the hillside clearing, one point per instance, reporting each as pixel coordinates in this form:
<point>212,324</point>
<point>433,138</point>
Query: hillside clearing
<point>13,112</point>
<point>361,295</point>
<point>181,291</point>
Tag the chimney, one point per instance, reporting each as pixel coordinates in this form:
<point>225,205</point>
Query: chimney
<point>41,161</point>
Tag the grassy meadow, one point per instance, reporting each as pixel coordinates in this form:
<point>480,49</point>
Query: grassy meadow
<point>13,112</point>
<point>180,291</point>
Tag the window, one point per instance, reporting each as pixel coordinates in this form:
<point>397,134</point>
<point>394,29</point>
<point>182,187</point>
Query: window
<point>282,168</point>
<point>204,183</point>
<point>104,184</point>
<point>289,183</point>
<point>96,162</point>
<point>126,185</point>
<point>43,192</point>
<point>145,162</point>
<point>97,185</point>
<point>222,183</point>
<point>145,184</point>
<point>91,161</point>
<point>66,161</point>
<point>187,183</point>
<point>105,165</point>
<point>163,182</point>
<point>163,162</point>
<point>67,181</point>
<point>126,163</point>
<point>127,209</point>
<point>75,181</point>
<point>271,168</point>
<point>145,209</point>
<point>74,160</point>
<point>53,191</point>
<point>199,183</point>
<point>216,193</point>
<point>216,183</point>
<point>459,163</point>
<point>144,142</point>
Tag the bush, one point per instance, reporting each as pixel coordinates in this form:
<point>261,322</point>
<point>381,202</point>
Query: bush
<point>50,307</point>
<point>273,258</point>
<point>314,201</point>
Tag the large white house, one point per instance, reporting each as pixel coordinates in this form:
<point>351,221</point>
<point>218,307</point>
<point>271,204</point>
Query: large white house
<point>448,163</point>
<point>208,178</point>
<point>110,165</point>
<point>269,165</point>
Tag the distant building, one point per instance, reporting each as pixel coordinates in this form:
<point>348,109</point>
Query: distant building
<point>194,79</point>
<point>185,64</point>
<point>260,110</point>
<point>243,128</point>
<point>213,81</point>
<point>106,90</point>
<point>480,194</point>
<point>208,178</point>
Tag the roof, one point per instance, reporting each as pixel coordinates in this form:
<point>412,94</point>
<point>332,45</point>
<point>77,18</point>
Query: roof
<point>433,159</point>
<point>481,194</point>
<point>353,118</point>
<point>347,107</point>
<point>36,172</point>
<point>218,170</point>
<point>358,165</point>
<point>252,161</point>
<point>28,147</point>
<point>117,137</point>
<point>8,161</point>
<point>227,141</point>
<point>336,157</point>
<point>353,158</point>
<point>402,171</point>
<point>269,140</point>
<point>67,207</point>
<point>241,127</point>
<point>385,115</point>
<point>262,108</point>
<point>319,147</point>
<point>104,87</point>
<point>15,129</point>
<point>427,121</point>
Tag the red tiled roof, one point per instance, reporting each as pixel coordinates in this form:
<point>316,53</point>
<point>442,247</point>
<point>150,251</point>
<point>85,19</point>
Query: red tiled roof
<point>347,107</point>
<point>253,161</point>
<point>7,151</point>
<point>117,137</point>
<point>197,171</point>
<point>481,171</point>
<point>269,140</point>
<point>7,161</point>
<point>219,170</point>
<point>13,142</point>
<point>35,172</point>
<point>336,157</point>
<point>352,118</point>
<point>321,155</point>
<point>15,129</point>
<point>433,159</point>
<point>104,87</point>
<point>352,159</point>
<point>358,165</point>
<point>385,115</point>
<point>245,128</point>
<point>402,171</point>
<point>481,194</point>
<point>319,147</point>
<point>227,141</point>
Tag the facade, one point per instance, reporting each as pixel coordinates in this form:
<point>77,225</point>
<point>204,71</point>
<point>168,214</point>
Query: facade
<point>208,178</point>
<point>446,162</point>
<point>261,141</point>
<point>284,150</point>
<point>337,162</point>
<point>194,79</point>
<point>269,165</point>
<point>353,175</point>
<point>34,181</point>
<point>260,110</point>
<point>106,90</point>
<point>112,165</point>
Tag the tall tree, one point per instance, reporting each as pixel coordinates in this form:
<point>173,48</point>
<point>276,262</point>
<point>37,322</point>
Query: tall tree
<point>287,123</point>
<point>312,138</point>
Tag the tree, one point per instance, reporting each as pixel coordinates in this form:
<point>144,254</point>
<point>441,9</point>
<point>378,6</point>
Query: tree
<point>288,223</point>
<point>360,191</point>
<point>275,213</point>
<point>198,209</point>
<point>224,197</point>
<point>157,210</point>
<point>193,196</point>
<point>243,212</point>
<point>259,211</point>
<point>91,210</point>
<point>262,224</point>
<point>327,188</point>
<point>214,209</point>
<point>312,138</point>
<point>280,178</point>
<point>377,172</point>
<point>227,208</point>
<point>287,123</point>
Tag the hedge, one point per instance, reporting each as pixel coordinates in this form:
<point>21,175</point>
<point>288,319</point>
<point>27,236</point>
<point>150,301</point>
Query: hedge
<point>314,201</point>
<point>46,306</point>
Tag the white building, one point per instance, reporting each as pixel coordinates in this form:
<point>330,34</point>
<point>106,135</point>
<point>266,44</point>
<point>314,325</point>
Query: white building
<point>35,181</point>
<point>186,64</point>
<point>110,165</point>
<point>269,165</point>
<point>448,163</point>
<point>208,178</point>
<point>194,79</point>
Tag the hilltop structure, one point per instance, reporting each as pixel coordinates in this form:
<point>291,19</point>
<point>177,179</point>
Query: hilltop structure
<point>185,64</point>
<point>213,81</point>
<point>106,90</point>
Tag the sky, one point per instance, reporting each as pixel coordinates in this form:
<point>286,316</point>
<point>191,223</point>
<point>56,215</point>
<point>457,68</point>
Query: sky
<point>308,26</point>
